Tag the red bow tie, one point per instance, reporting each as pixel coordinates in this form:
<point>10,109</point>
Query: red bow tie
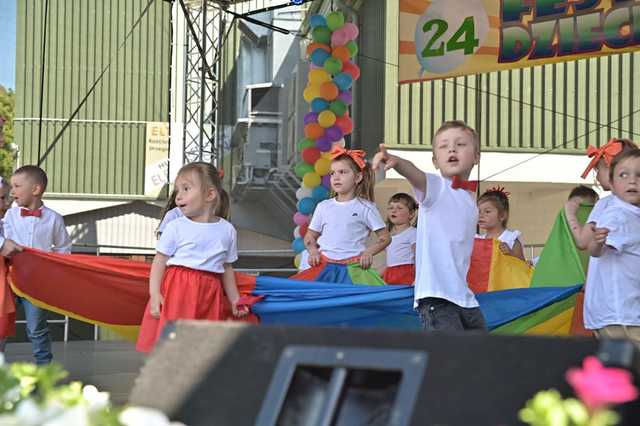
<point>469,185</point>
<point>27,212</point>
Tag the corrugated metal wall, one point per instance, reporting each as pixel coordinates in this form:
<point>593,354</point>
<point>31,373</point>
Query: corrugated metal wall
<point>562,106</point>
<point>102,152</point>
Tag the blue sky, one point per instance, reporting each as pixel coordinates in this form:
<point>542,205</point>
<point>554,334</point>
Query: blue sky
<point>8,43</point>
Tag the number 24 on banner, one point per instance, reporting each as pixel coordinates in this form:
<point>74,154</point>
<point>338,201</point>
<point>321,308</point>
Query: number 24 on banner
<point>448,32</point>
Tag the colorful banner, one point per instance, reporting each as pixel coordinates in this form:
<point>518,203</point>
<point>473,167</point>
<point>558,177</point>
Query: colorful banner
<point>445,38</point>
<point>492,270</point>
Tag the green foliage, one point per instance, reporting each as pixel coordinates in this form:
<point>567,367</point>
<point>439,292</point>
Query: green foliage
<point>547,408</point>
<point>7,112</point>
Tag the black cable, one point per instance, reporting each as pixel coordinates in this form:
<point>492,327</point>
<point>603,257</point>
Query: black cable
<point>93,86</point>
<point>44,54</point>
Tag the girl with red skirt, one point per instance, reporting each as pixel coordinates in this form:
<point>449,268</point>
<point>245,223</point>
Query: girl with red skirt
<point>401,253</point>
<point>191,272</point>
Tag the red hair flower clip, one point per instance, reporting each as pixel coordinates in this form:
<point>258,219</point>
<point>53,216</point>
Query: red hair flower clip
<point>498,189</point>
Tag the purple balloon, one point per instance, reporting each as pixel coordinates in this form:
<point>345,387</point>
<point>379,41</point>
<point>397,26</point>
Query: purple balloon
<point>345,96</point>
<point>334,133</point>
<point>323,144</point>
<point>310,117</point>
<point>326,181</point>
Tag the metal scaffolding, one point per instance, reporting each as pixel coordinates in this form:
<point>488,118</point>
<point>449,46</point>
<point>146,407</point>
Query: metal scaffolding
<point>202,71</point>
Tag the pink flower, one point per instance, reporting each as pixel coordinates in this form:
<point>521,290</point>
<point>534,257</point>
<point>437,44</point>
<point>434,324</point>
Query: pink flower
<point>598,386</point>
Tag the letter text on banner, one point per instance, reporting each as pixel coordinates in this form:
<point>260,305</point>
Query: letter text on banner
<point>444,38</point>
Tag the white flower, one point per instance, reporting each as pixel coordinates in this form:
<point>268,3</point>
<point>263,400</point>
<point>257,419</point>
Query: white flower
<point>142,416</point>
<point>95,400</point>
<point>29,413</point>
<point>74,416</point>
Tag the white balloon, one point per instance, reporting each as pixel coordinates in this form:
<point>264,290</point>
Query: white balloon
<point>303,192</point>
<point>341,143</point>
<point>296,232</point>
<point>453,13</point>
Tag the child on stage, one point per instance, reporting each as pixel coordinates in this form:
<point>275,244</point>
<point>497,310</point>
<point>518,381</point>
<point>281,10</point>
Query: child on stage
<point>198,248</point>
<point>401,253</point>
<point>340,225</point>
<point>447,220</point>
<point>493,207</point>
<point>614,288</point>
<point>32,224</point>
<point>584,235</point>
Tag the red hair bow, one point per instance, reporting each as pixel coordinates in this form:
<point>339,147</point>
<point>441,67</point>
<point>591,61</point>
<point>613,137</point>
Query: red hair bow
<point>607,151</point>
<point>356,155</point>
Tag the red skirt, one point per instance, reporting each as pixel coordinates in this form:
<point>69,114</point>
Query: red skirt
<point>188,294</point>
<point>400,274</point>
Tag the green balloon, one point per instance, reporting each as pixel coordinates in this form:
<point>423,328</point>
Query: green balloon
<point>333,65</point>
<point>321,34</point>
<point>305,143</point>
<point>335,20</point>
<point>338,108</point>
<point>353,48</point>
<point>302,169</point>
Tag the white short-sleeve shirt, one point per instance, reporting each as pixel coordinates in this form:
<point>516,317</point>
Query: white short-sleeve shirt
<point>614,296</point>
<point>447,221</point>
<point>508,236</point>
<point>172,214</point>
<point>344,226</point>
<point>593,274</point>
<point>46,232</point>
<point>401,250</point>
<point>199,245</point>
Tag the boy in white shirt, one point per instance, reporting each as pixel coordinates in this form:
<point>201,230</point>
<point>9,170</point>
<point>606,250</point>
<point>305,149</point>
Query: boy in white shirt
<point>615,285</point>
<point>447,220</point>
<point>31,224</point>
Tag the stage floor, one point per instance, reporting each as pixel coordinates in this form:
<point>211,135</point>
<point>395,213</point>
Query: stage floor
<point>110,366</point>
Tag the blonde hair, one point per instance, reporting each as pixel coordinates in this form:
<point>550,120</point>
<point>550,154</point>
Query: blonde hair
<point>364,188</point>
<point>458,124</point>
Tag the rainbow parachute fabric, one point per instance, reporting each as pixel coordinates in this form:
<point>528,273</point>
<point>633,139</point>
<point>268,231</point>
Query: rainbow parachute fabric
<point>113,293</point>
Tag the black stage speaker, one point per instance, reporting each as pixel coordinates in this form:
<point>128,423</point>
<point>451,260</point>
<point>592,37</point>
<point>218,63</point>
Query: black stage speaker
<point>237,374</point>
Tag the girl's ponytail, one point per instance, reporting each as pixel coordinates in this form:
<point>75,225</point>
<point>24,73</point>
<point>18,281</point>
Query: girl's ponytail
<point>222,207</point>
<point>364,188</point>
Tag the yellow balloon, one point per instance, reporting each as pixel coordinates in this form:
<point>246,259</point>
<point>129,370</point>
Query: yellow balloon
<point>311,179</point>
<point>322,166</point>
<point>326,119</point>
<point>318,76</point>
<point>326,155</point>
<point>296,260</point>
<point>311,92</point>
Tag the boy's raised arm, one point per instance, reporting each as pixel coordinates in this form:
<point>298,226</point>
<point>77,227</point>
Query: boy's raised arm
<point>406,168</point>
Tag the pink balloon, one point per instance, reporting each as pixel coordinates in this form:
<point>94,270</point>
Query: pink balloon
<point>300,219</point>
<point>338,38</point>
<point>351,30</point>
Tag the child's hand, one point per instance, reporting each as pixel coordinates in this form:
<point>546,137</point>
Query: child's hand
<point>9,248</point>
<point>571,207</point>
<point>600,235</point>
<point>383,158</point>
<point>155,303</point>
<point>504,248</point>
<point>314,258</point>
<point>366,260</point>
<point>239,311</point>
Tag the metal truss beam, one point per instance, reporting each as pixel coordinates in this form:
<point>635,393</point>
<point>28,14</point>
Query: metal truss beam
<point>206,25</point>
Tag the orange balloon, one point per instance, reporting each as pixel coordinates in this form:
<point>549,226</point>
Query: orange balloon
<point>313,131</point>
<point>329,91</point>
<point>342,53</point>
<point>314,46</point>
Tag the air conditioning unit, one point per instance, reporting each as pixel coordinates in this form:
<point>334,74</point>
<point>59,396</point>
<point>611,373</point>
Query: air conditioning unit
<point>263,100</point>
